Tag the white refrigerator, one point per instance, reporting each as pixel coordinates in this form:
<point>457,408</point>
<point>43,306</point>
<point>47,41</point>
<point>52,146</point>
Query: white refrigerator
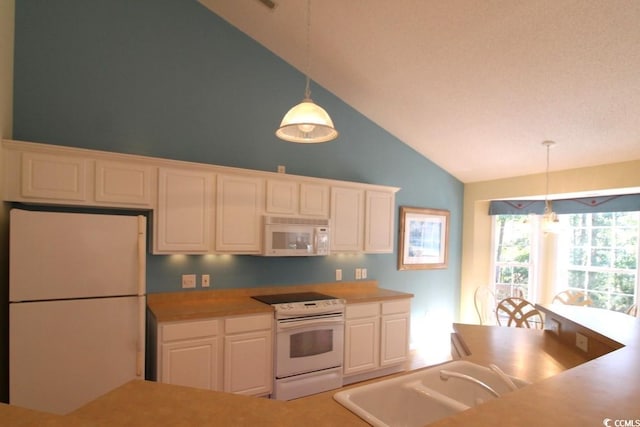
<point>76,306</point>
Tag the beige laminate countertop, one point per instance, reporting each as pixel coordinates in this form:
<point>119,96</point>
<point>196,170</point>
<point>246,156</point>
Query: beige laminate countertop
<point>607,387</point>
<point>175,306</point>
<point>565,392</point>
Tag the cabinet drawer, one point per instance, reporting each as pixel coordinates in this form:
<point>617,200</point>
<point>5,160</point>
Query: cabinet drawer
<point>393,307</point>
<point>191,329</point>
<point>362,310</point>
<point>259,322</point>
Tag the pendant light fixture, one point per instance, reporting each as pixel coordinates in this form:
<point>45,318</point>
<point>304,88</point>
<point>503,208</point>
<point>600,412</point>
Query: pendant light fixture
<point>549,218</point>
<point>307,122</point>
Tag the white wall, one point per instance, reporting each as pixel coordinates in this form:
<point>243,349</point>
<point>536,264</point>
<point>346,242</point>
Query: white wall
<point>476,235</point>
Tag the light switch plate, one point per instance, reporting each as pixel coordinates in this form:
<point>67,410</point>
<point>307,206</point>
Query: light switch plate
<point>206,281</point>
<point>188,281</point>
<point>338,274</point>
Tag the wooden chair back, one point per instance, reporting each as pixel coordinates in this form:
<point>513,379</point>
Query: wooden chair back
<point>572,297</point>
<point>519,313</point>
<point>484,300</point>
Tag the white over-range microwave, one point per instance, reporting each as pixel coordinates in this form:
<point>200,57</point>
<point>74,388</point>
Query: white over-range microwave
<point>295,236</point>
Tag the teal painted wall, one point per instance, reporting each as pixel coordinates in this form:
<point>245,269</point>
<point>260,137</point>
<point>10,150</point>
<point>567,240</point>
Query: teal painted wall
<point>168,78</point>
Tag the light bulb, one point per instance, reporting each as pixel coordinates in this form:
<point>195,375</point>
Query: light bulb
<point>306,128</point>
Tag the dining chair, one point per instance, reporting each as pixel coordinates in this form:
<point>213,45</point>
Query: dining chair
<point>633,310</point>
<point>519,313</point>
<point>484,300</point>
<point>572,297</point>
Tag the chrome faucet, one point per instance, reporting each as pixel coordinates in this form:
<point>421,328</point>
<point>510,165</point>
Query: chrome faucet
<point>504,377</point>
<point>445,375</point>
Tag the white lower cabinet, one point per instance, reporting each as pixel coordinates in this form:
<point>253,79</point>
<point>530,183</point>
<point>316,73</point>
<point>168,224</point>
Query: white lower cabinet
<point>362,338</point>
<point>233,354</point>
<point>190,354</point>
<point>248,350</point>
<point>376,339</point>
<point>394,332</point>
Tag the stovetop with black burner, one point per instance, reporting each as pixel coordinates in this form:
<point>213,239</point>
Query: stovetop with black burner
<point>292,297</point>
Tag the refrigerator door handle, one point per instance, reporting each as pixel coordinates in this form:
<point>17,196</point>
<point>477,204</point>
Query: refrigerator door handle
<point>142,254</point>
<point>142,306</point>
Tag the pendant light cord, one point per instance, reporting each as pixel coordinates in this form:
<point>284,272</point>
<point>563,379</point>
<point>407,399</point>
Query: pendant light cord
<point>307,91</point>
<point>547,209</point>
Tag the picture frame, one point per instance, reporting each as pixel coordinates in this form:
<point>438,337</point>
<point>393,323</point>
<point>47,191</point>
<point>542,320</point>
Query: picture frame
<point>423,241</point>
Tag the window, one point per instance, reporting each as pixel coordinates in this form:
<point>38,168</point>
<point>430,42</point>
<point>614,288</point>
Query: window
<point>513,256</point>
<point>599,255</point>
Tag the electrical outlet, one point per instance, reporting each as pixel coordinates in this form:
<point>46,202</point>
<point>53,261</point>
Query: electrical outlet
<point>554,326</point>
<point>188,281</point>
<point>282,169</point>
<point>582,342</point>
<point>358,273</point>
<point>364,273</point>
<point>205,281</point>
<point>338,274</point>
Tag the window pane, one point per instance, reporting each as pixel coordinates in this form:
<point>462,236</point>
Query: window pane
<point>512,258</point>
<point>577,256</point>
<point>601,237</point>
<point>576,279</point>
<point>601,256</point>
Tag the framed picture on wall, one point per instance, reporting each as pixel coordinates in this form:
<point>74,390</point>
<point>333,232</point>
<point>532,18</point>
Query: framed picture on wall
<point>424,238</point>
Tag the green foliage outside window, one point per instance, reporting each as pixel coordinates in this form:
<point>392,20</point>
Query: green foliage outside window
<point>601,259</point>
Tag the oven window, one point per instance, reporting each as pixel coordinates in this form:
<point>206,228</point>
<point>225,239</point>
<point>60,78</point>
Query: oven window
<point>310,343</point>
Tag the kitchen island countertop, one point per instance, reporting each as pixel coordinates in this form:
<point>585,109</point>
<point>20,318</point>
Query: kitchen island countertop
<point>565,392</point>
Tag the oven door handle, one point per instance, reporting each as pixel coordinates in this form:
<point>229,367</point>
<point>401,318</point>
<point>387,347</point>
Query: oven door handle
<point>307,323</point>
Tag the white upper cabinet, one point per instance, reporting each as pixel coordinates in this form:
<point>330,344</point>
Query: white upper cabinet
<point>199,208</point>
<point>239,212</point>
<point>347,219</point>
<point>125,183</point>
<point>293,197</point>
<point>314,199</point>
<point>183,222</point>
<point>54,177</point>
<point>59,175</point>
<point>379,222</point>
<point>282,196</point>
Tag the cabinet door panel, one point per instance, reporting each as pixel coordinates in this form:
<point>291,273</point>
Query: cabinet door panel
<point>120,182</point>
<point>238,214</point>
<point>379,222</point>
<point>248,363</point>
<point>314,200</point>
<point>56,177</point>
<point>193,363</point>
<point>347,216</point>
<point>184,211</point>
<point>282,197</point>
<point>361,345</point>
<point>394,339</point>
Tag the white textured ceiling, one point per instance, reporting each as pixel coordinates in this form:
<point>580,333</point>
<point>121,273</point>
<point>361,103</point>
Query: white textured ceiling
<point>473,85</point>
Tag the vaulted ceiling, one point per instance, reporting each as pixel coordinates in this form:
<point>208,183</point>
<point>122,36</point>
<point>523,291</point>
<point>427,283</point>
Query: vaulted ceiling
<point>473,85</point>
